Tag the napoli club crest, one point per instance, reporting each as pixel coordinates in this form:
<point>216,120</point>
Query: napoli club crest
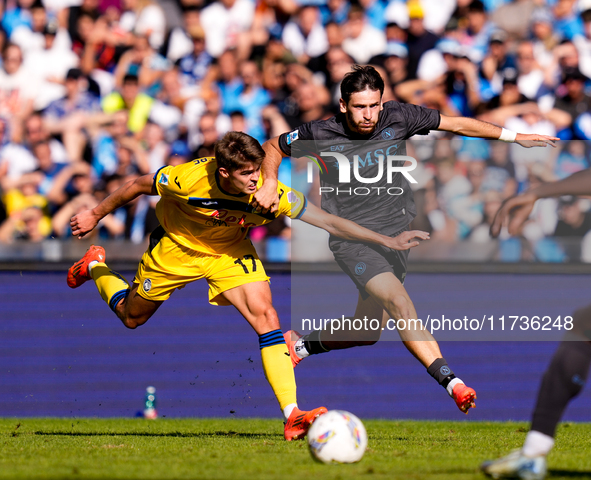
<point>388,134</point>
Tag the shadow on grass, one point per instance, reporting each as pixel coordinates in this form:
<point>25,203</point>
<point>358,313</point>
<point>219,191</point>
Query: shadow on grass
<point>551,473</point>
<point>454,471</point>
<point>156,434</point>
<point>568,474</point>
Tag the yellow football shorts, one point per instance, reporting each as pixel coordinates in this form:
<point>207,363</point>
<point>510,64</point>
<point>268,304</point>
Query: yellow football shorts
<point>168,266</point>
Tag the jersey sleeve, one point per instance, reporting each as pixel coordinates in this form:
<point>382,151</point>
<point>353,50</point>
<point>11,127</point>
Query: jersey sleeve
<point>419,120</point>
<point>291,202</point>
<point>303,132</point>
<point>172,181</point>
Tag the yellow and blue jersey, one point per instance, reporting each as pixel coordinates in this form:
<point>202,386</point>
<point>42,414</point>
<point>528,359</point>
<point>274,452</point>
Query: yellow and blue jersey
<point>198,214</point>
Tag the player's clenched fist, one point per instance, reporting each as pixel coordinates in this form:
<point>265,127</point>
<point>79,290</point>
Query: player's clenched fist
<point>266,198</point>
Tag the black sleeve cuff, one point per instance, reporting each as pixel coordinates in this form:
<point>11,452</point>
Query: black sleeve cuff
<point>285,148</point>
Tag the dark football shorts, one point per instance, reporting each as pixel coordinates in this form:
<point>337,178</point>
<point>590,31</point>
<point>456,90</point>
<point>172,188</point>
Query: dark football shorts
<point>363,261</point>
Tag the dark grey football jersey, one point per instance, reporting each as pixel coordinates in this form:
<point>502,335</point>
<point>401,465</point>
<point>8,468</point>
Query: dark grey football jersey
<point>381,205</point>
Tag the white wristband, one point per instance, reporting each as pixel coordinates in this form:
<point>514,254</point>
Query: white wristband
<point>507,136</point>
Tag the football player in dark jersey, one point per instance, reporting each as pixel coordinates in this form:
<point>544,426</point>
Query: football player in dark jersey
<point>568,370</point>
<point>369,128</point>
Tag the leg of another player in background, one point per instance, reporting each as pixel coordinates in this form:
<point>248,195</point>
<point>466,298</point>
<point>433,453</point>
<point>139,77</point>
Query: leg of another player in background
<point>563,380</point>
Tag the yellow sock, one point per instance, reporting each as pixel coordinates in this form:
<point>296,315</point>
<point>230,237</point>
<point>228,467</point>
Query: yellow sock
<point>278,368</point>
<point>112,286</point>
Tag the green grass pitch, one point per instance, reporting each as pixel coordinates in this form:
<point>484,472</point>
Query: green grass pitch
<point>38,448</point>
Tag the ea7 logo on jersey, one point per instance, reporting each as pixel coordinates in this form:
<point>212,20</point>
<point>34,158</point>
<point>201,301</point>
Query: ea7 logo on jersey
<point>292,137</point>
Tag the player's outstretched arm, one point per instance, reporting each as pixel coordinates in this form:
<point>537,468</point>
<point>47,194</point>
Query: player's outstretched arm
<point>349,230</point>
<point>266,197</point>
<point>470,127</point>
<point>516,210</point>
<point>84,222</point>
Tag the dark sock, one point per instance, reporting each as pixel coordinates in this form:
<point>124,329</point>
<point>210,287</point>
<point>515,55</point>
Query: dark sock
<point>563,380</point>
<point>440,371</point>
<point>312,343</point>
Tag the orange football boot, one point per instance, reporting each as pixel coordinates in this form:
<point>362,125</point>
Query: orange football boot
<point>78,273</point>
<point>464,397</point>
<point>299,423</point>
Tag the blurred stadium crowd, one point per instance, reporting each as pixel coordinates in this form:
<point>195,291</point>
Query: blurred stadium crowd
<point>94,92</point>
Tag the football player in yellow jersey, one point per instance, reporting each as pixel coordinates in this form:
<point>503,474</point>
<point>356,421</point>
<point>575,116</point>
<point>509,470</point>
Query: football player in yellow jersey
<point>204,215</point>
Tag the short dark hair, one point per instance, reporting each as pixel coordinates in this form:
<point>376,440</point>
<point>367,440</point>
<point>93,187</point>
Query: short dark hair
<point>359,79</point>
<point>37,4</point>
<point>236,150</point>
<point>130,78</point>
<point>477,6</point>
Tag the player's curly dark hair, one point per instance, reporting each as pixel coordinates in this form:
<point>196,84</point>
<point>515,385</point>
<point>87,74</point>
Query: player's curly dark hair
<point>236,150</point>
<point>360,78</point>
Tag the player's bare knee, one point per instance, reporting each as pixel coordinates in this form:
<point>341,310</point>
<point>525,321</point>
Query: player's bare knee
<point>130,323</point>
<point>399,306</point>
<point>268,319</point>
<point>133,321</point>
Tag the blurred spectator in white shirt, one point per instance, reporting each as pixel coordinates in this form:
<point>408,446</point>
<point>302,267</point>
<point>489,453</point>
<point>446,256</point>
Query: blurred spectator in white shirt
<point>30,37</point>
<point>543,36</point>
<point>224,22</point>
<point>144,17</point>
<point>50,65</point>
<point>179,39</point>
<point>583,42</point>
<point>18,86</point>
<point>530,75</point>
<point>157,149</point>
<point>304,35</point>
<point>362,40</point>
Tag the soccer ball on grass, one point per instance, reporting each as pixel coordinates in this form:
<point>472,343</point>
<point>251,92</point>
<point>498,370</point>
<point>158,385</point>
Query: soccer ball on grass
<point>337,437</point>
